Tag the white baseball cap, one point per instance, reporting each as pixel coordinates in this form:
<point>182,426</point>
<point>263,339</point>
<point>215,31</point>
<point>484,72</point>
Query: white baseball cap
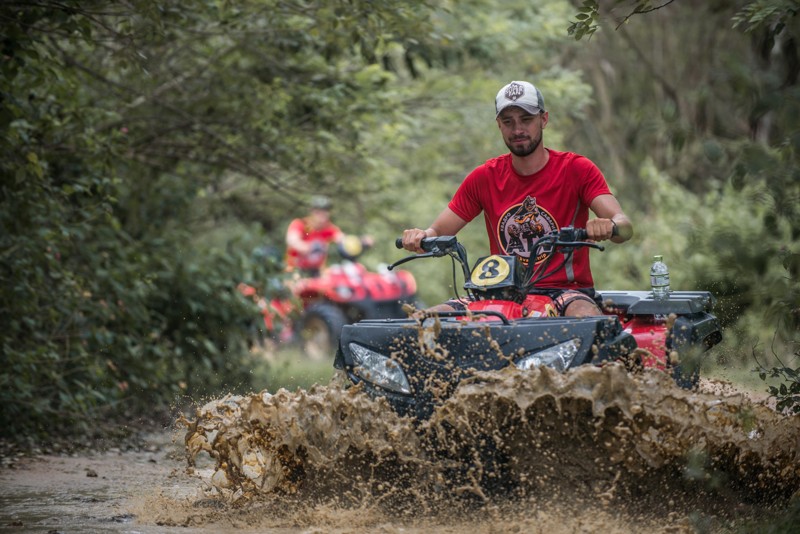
<point>521,94</point>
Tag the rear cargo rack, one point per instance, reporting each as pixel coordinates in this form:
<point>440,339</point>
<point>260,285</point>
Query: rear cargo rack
<point>642,302</point>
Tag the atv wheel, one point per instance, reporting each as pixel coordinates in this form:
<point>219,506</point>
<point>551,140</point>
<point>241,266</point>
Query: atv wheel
<point>685,378</point>
<point>320,328</point>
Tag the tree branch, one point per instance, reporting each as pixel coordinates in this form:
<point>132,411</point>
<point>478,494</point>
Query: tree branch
<point>669,89</point>
<point>637,11</point>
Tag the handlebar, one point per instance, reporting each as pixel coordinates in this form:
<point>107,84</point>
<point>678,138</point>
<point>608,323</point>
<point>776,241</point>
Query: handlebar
<point>570,234</point>
<point>566,239</point>
<point>442,243</point>
<point>449,245</point>
<point>436,245</point>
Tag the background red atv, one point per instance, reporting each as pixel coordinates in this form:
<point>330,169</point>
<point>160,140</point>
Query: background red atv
<point>315,308</point>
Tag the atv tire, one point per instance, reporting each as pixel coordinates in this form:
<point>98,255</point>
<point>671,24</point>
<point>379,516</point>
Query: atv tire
<point>685,378</point>
<point>320,329</point>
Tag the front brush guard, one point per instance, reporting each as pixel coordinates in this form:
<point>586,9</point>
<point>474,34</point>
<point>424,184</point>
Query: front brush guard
<point>441,352</point>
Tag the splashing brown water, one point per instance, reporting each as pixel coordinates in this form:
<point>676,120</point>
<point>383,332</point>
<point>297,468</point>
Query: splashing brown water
<point>594,446</point>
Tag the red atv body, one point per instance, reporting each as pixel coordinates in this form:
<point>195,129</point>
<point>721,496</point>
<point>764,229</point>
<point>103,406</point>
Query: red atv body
<point>415,363</point>
<point>649,322</point>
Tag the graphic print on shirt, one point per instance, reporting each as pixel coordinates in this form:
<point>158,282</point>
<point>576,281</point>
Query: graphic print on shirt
<point>521,225</point>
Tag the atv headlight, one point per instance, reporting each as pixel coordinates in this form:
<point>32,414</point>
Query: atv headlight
<point>379,370</point>
<point>558,357</point>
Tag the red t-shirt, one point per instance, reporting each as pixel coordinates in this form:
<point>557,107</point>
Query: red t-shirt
<point>322,236</point>
<point>519,209</point>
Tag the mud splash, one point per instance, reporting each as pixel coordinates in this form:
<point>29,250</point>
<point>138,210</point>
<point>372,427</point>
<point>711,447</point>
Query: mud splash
<point>522,447</point>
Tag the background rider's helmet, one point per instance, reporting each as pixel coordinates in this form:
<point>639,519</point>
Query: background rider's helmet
<point>320,202</point>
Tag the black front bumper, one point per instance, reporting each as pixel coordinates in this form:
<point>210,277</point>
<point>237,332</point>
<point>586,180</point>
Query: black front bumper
<point>439,355</point>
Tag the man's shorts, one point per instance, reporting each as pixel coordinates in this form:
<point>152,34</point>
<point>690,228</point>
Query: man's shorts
<point>561,298</point>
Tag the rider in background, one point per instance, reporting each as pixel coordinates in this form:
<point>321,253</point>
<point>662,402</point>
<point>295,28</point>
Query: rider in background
<point>528,192</point>
<point>308,238</point>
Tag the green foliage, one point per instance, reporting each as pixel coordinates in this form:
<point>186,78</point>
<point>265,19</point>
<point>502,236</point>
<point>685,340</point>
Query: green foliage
<point>146,149</point>
<point>290,369</point>
<point>120,125</point>
<point>586,21</point>
<point>720,126</point>
<point>772,15</point>
<point>787,314</point>
<point>788,392</point>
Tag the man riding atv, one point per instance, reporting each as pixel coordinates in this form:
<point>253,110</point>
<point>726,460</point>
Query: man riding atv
<point>529,192</point>
<point>531,303</point>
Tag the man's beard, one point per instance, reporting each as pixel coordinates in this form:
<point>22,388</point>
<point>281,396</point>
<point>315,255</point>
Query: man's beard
<point>525,150</point>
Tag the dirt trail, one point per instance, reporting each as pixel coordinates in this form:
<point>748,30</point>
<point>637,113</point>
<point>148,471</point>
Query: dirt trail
<point>110,491</point>
<point>149,491</point>
<point>588,452</point>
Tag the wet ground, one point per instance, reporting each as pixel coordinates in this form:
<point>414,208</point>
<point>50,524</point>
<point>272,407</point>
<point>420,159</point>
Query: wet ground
<point>118,490</point>
<point>597,450</point>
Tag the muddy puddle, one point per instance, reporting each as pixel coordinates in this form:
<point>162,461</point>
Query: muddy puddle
<point>595,449</point>
<point>592,450</point>
<point>115,490</point>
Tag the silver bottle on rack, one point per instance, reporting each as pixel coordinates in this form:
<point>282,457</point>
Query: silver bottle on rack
<point>659,279</point>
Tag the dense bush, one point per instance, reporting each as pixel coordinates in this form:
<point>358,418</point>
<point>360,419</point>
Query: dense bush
<point>98,323</point>
<point>129,135</point>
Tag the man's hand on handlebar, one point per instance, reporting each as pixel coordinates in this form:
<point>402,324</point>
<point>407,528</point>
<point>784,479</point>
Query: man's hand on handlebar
<point>412,239</point>
<point>600,229</point>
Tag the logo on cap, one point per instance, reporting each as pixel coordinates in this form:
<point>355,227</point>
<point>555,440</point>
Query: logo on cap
<point>514,92</point>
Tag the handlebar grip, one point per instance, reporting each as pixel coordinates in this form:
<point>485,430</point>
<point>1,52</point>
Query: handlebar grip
<point>582,235</point>
<point>398,242</point>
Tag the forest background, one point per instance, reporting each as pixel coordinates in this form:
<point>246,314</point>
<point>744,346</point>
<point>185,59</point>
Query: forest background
<point>150,147</point>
